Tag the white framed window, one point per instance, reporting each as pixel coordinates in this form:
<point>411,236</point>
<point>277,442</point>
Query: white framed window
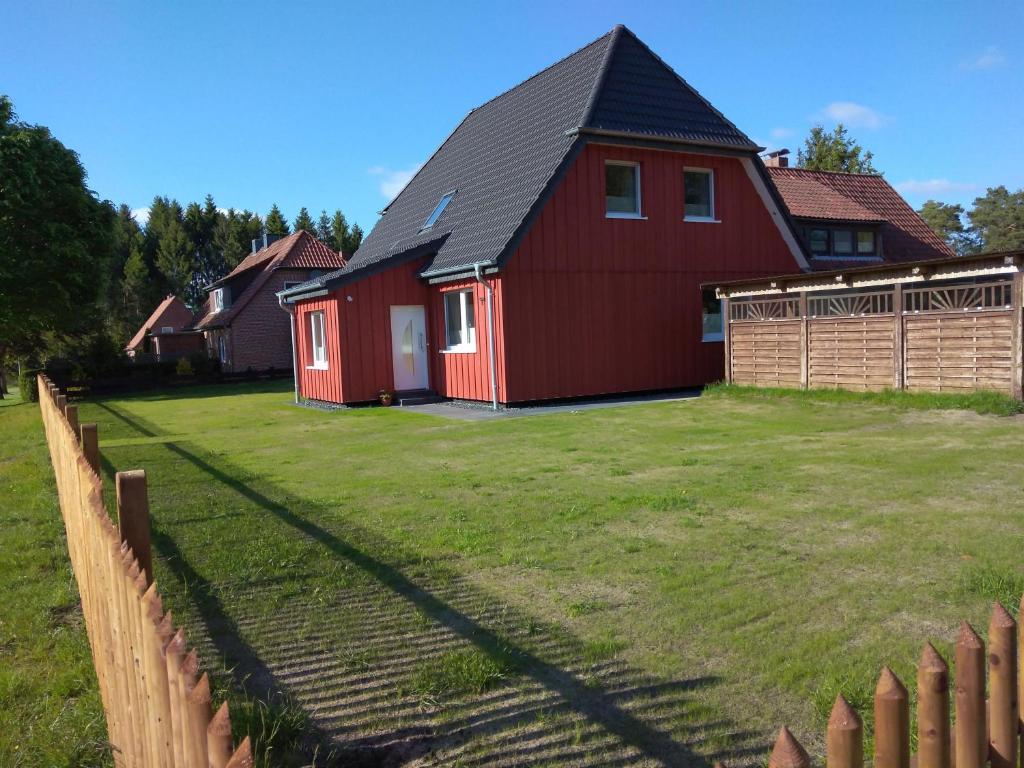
<point>459,322</point>
<point>166,329</point>
<point>317,340</point>
<point>699,194</point>
<point>222,349</point>
<point>712,318</point>
<point>622,190</point>
<point>221,299</point>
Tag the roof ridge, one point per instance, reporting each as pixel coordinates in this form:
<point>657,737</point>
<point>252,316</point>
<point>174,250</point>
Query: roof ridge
<point>682,82</point>
<point>876,175</point>
<point>484,104</point>
<point>602,74</point>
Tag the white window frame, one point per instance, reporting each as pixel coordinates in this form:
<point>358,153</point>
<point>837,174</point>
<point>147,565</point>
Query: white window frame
<point>220,299</point>
<point>710,172</point>
<point>222,349</point>
<point>317,354</point>
<point>467,297</point>
<point>639,192</point>
<point>166,329</point>
<point>708,337</point>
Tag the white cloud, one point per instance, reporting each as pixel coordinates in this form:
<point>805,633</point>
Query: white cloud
<point>989,58</point>
<point>933,187</point>
<point>782,133</point>
<point>141,216</point>
<point>391,181</point>
<point>853,115</point>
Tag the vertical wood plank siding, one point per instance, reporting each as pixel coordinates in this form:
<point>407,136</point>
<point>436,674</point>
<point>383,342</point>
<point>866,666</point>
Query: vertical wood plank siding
<point>358,319</point>
<point>594,305</point>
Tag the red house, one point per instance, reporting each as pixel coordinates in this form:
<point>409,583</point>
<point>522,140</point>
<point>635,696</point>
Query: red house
<point>553,246</point>
<point>167,333</point>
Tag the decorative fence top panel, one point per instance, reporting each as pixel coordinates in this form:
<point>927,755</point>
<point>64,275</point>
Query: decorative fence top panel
<point>959,298</point>
<point>850,304</point>
<point>783,308</point>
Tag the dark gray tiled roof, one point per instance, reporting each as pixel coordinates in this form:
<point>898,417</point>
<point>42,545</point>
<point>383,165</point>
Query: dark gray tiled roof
<point>505,154</point>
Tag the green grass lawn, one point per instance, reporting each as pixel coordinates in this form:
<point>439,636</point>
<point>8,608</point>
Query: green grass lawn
<point>50,713</point>
<point>660,583</point>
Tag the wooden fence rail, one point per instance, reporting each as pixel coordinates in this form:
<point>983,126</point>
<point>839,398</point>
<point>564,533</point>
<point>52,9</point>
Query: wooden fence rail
<point>985,732</point>
<point>157,706</point>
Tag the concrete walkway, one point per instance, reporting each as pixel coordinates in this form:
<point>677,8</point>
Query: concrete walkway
<point>482,413</point>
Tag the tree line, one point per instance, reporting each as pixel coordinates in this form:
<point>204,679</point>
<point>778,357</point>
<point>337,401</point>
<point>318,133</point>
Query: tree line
<point>78,276</point>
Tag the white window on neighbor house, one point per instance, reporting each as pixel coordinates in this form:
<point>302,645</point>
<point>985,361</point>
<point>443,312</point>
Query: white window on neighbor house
<point>317,340</point>
<point>166,329</point>
<point>699,194</point>
<point>459,323</point>
<point>622,190</point>
<point>222,349</point>
<point>711,316</point>
<point>221,299</point>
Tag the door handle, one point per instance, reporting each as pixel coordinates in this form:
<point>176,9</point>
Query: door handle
<point>422,346</point>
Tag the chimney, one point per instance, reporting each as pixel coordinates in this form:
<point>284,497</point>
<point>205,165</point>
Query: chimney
<point>263,241</point>
<point>777,159</point>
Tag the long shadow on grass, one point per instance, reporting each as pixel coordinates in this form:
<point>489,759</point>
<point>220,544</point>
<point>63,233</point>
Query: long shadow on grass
<point>366,691</point>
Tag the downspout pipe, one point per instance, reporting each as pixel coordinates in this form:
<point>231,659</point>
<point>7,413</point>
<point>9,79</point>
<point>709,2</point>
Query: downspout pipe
<point>295,359</point>
<point>489,290</point>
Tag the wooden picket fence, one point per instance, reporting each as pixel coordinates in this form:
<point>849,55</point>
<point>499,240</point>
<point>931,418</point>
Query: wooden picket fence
<point>985,732</point>
<point>157,707</point>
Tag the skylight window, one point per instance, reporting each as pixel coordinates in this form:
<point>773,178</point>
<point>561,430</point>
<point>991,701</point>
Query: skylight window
<point>438,211</point>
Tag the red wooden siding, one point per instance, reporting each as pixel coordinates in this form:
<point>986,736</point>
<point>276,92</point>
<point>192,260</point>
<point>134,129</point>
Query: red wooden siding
<point>595,305</point>
<point>466,375</point>
<point>318,384</point>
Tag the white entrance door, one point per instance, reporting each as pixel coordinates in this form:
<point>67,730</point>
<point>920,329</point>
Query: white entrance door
<point>409,347</point>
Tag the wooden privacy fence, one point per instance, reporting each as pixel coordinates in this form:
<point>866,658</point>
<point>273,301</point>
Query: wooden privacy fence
<point>947,337</point>
<point>157,706</point>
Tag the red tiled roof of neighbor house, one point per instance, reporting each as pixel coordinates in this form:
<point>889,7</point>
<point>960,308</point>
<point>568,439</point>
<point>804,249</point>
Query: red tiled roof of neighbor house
<point>299,250</point>
<point>866,198</point>
<point>171,311</point>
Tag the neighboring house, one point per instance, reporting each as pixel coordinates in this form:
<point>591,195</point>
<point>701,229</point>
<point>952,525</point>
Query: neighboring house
<point>167,334</point>
<point>242,321</point>
<point>554,246</point>
<point>848,219</point>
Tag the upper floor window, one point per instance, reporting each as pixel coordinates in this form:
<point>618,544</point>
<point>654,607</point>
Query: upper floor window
<point>436,214</point>
<point>699,193</point>
<point>317,340</point>
<point>842,242</point>
<point>166,329</point>
<point>221,299</point>
<point>711,316</point>
<point>459,323</point>
<point>622,190</point>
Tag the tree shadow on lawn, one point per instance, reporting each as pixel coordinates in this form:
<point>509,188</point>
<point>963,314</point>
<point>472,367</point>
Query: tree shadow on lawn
<point>401,659</point>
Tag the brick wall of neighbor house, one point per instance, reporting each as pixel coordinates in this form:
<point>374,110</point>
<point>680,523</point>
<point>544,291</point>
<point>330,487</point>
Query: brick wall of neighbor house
<point>260,333</point>
<point>174,345</point>
<point>594,305</point>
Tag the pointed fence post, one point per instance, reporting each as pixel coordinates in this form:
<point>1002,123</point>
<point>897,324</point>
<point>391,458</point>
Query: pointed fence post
<point>1004,717</point>
<point>971,735</point>
<point>218,738</point>
<point>845,737</point>
<point>892,722</point>
<point>243,756</point>
<point>788,752</point>
<point>133,517</point>
<point>91,446</point>
<point>71,414</point>
<point>933,747</point>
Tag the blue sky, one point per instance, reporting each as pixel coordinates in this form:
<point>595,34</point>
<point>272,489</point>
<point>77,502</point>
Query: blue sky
<point>333,105</point>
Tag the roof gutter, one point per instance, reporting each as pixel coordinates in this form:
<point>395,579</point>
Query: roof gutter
<point>489,290</point>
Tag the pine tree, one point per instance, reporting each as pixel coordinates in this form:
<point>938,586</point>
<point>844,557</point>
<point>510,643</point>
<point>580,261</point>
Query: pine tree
<point>135,282</point>
<point>355,237</point>
<point>323,228</point>
<point>339,232</point>
<point>305,221</point>
<point>276,223</point>
<point>997,219</point>
<point>174,258</point>
<point>834,151</point>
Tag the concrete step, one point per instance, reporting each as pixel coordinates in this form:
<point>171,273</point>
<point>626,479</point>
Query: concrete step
<point>417,397</point>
